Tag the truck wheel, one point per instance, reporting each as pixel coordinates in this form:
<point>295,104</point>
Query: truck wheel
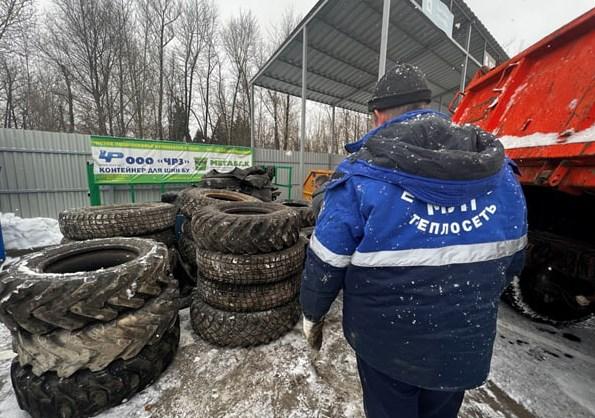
<point>245,228</point>
<point>537,295</point>
<point>128,220</point>
<point>72,285</point>
<point>248,298</point>
<point>96,346</point>
<point>251,269</point>
<point>192,199</point>
<point>304,209</point>
<point>87,393</point>
<point>241,329</point>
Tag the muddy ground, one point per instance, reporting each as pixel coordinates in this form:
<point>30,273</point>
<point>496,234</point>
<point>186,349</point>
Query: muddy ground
<point>538,371</point>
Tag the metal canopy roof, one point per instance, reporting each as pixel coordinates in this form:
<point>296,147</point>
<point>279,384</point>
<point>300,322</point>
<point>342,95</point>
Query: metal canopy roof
<point>343,49</point>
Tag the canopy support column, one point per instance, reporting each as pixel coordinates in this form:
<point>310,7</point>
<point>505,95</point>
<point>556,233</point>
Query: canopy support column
<point>464,74</point>
<point>304,95</point>
<point>252,127</point>
<point>384,38</point>
<point>333,136</point>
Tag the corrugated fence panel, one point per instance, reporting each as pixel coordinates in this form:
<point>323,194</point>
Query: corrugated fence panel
<point>43,173</point>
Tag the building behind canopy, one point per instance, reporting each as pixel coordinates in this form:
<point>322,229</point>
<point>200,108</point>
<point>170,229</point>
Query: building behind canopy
<point>340,49</point>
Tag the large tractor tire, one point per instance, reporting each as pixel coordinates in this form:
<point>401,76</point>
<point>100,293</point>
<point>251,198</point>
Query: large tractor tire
<point>242,329</point>
<point>245,228</point>
<point>72,285</point>
<point>87,393</point>
<point>128,220</point>
<point>97,345</point>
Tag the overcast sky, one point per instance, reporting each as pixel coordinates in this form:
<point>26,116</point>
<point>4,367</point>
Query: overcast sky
<point>515,24</point>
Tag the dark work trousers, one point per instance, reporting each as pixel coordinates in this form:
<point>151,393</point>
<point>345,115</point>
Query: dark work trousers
<point>385,397</point>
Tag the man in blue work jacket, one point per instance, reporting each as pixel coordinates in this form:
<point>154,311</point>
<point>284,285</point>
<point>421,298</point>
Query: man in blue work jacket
<point>422,227</point>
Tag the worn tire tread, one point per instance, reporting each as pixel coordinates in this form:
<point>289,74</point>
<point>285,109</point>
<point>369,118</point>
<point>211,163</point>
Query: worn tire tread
<point>216,230</point>
<point>87,393</point>
<point>241,329</point>
<point>39,303</point>
<point>126,220</point>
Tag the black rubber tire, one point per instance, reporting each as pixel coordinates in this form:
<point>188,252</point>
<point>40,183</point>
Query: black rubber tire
<point>307,232</point>
<point>169,197</point>
<point>304,209</point>
<point>128,220</point>
<point>242,329</point>
<point>51,289</point>
<point>229,183</point>
<point>248,298</point>
<point>94,347</point>
<point>245,228</point>
<point>265,194</point>
<point>87,393</point>
<point>520,297</point>
<point>186,278</point>
<point>167,237</point>
<point>186,245</point>
<point>194,198</point>
<point>251,269</point>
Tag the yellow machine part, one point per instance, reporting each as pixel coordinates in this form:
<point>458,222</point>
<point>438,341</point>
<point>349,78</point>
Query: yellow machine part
<point>309,182</point>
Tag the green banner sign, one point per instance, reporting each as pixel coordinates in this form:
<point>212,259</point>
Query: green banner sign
<point>136,161</point>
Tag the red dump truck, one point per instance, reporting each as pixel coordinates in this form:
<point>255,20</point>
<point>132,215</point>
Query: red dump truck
<point>541,104</point>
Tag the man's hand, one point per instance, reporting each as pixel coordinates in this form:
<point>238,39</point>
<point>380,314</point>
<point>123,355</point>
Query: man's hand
<point>313,333</point>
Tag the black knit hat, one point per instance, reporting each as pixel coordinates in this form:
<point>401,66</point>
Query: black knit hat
<point>403,84</point>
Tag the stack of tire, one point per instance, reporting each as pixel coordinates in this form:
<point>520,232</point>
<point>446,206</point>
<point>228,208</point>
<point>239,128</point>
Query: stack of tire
<point>188,202</point>
<point>250,258</point>
<point>92,322</point>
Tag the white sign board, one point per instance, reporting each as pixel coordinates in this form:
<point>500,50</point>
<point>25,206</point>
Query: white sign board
<point>439,13</point>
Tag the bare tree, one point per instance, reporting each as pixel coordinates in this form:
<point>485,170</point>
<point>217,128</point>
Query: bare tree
<point>88,32</point>
<point>240,38</point>
<point>161,15</point>
<point>13,14</point>
<point>211,63</point>
<point>194,25</point>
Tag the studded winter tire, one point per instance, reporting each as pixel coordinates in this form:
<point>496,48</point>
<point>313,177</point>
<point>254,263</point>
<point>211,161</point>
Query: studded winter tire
<point>128,220</point>
<point>251,269</point>
<point>245,228</point>
<point>72,285</point>
<point>242,329</point>
<point>248,298</point>
<point>87,393</point>
<point>192,199</point>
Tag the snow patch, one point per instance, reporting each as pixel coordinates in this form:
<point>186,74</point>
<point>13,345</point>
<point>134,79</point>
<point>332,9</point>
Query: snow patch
<point>26,233</point>
<point>540,139</point>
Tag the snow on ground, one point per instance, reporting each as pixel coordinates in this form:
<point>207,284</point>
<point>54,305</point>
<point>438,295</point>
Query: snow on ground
<point>539,371</point>
<point>25,233</point>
